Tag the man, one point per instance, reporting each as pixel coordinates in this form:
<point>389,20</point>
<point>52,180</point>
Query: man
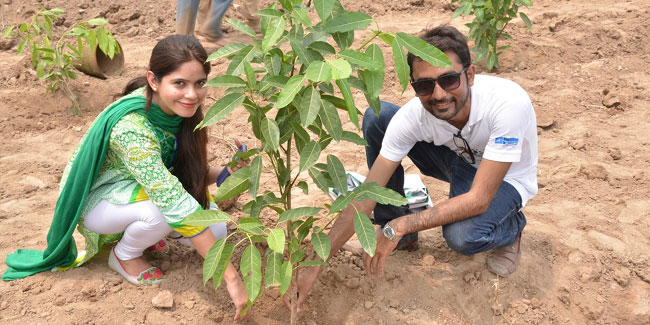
<point>477,133</point>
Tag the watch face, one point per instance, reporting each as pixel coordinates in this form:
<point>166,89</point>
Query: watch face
<point>389,232</point>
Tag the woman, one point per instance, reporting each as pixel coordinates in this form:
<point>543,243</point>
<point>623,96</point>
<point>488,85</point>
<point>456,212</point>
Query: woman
<point>137,173</point>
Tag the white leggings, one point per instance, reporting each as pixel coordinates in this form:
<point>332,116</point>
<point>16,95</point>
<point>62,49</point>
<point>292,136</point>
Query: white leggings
<point>142,223</point>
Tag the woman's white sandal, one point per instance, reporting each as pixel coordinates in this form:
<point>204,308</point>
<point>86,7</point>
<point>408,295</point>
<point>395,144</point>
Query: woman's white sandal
<point>150,276</point>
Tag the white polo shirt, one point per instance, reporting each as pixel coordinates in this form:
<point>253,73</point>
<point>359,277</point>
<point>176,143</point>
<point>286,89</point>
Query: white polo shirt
<point>501,127</point>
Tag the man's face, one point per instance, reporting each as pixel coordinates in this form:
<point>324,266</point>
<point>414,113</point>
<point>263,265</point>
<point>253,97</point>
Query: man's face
<point>452,105</point>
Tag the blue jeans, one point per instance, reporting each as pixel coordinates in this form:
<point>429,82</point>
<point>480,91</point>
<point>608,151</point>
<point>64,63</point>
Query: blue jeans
<point>209,12</point>
<point>499,226</point>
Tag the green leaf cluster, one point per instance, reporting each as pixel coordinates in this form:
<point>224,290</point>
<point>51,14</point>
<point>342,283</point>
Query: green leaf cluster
<point>53,57</point>
<point>491,17</point>
<point>294,81</point>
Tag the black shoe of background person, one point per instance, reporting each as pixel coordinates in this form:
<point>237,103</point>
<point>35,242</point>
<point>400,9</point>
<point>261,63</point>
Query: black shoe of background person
<point>408,243</point>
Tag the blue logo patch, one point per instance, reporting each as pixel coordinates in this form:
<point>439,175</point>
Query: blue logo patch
<point>506,141</point>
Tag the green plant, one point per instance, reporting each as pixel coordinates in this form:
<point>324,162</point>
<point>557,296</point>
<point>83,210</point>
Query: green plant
<point>293,83</point>
<point>54,59</point>
<point>491,17</point>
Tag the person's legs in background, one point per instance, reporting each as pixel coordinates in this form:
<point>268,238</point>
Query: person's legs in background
<point>248,9</point>
<point>186,11</point>
<point>209,18</point>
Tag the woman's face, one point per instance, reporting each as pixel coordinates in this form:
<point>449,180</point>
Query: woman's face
<point>180,92</point>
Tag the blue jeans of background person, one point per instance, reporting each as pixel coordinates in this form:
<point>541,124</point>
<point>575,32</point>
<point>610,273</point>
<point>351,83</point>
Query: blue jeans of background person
<point>499,226</point>
<point>210,13</point>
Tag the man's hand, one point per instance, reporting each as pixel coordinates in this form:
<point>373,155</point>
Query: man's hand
<point>306,279</point>
<point>375,265</point>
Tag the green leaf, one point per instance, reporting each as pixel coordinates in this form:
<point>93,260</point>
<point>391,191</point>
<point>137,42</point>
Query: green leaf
<point>379,194</point>
<point>312,263</point>
<point>319,71</point>
<point>256,172</point>
<point>285,273</point>
<point>56,11</point>
<point>341,69</point>
<point>310,106</point>
<point>97,22</point>
<point>246,54</point>
<point>298,255</point>
<point>223,261</point>
<point>300,51</point>
<point>273,62</point>
<point>235,184</point>
<point>268,12</point>
<point>225,81</point>
<point>298,213</point>
<point>238,25</point>
<point>212,259</point>
<point>365,232</point>
<point>319,179</point>
<point>341,202</point>
<point>302,16</point>
<point>251,269</point>
<point>337,173</point>
<point>526,20</point>
<point>322,47</point>
<point>424,50</point>
<point>274,31</point>
<point>270,134</point>
<point>344,40</point>
<point>401,65</point>
<point>221,109</point>
<point>272,272</point>
<point>322,245</point>
<point>323,8</point>
<point>251,225</point>
<point>309,155</point>
<point>360,59</point>
<point>225,51</point>
<point>276,240</point>
<point>348,21</point>
<point>354,138</point>
<point>331,120</point>
<point>492,61</point>
<point>290,90</point>
<point>251,78</point>
<point>303,186</point>
<point>206,218</point>
<point>8,31</point>
<point>344,86</point>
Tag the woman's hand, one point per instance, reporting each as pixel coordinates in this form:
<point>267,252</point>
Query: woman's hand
<point>237,292</point>
<point>240,162</point>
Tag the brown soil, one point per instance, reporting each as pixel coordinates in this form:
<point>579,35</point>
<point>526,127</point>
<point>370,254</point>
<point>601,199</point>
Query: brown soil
<point>585,249</point>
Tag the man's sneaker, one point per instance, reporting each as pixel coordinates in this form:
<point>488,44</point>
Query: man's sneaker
<point>503,261</point>
<point>408,243</point>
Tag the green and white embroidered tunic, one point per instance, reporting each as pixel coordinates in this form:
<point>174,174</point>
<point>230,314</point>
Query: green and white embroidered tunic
<point>136,169</point>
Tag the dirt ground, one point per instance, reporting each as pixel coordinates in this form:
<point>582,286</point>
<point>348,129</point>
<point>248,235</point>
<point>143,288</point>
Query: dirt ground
<point>585,249</point>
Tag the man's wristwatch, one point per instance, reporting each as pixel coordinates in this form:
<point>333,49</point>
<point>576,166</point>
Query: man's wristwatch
<point>389,232</point>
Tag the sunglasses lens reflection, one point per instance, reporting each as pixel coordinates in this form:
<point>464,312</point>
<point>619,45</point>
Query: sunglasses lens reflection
<point>425,87</point>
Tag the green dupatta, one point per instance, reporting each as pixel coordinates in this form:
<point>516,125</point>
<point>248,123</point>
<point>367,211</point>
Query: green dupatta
<point>61,248</point>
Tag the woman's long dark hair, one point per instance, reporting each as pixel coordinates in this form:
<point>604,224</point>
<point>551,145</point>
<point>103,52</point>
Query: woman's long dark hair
<point>191,166</point>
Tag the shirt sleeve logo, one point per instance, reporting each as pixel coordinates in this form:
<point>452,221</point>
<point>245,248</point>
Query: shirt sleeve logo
<point>506,141</point>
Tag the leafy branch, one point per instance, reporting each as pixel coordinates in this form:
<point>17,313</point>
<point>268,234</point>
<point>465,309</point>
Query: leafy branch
<point>491,17</point>
<point>293,82</point>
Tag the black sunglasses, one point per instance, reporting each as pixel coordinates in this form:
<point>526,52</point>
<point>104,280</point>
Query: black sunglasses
<point>466,152</point>
<point>450,81</point>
